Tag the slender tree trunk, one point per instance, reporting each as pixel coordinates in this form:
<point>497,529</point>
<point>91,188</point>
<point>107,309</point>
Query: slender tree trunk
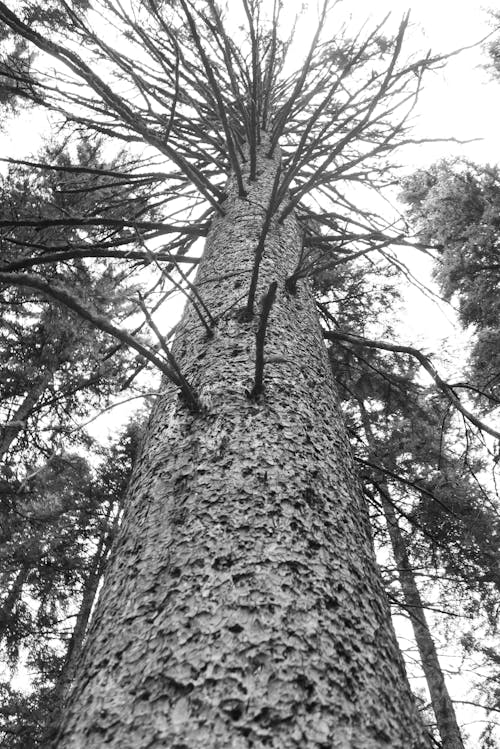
<point>440,698</point>
<point>10,431</point>
<point>78,635</point>
<point>75,646</point>
<point>12,597</point>
<point>242,606</point>
<point>441,701</point>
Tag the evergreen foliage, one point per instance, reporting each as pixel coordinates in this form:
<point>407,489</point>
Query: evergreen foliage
<point>411,457</point>
<point>454,206</point>
<point>57,528</point>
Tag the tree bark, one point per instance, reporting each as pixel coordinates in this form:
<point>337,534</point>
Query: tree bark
<point>242,606</point>
<point>442,705</point>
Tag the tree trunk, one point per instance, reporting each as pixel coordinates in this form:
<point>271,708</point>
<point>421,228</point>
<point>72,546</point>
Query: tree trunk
<point>12,597</point>
<point>242,606</point>
<point>441,701</point>
<point>75,646</point>
<point>10,431</point>
<point>78,635</point>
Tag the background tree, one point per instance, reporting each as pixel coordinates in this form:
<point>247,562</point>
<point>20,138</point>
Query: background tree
<point>58,546</point>
<point>454,206</point>
<point>53,365</point>
<point>418,481</point>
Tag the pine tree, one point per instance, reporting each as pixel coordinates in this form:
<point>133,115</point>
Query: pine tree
<point>441,702</point>
<point>454,207</point>
<point>52,364</point>
<point>402,438</point>
<point>70,516</point>
<point>242,605</point>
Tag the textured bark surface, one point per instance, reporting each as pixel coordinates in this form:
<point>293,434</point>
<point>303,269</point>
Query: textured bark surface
<point>75,645</point>
<point>242,607</point>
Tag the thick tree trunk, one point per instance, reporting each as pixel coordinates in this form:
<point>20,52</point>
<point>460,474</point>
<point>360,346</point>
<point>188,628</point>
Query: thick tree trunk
<point>242,606</point>
<point>442,705</point>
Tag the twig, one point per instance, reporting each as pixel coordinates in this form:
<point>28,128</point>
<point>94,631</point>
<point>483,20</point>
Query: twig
<point>58,257</point>
<point>177,285</point>
<point>253,96</point>
<point>259,250</point>
<point>267,303</point>
<point>113,102</point>
<point>488,708</point>
<point>186,389</point>
<point>218,98</point>
<point>45,223</point>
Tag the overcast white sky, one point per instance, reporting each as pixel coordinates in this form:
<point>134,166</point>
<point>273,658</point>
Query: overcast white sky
<point>461,101</point>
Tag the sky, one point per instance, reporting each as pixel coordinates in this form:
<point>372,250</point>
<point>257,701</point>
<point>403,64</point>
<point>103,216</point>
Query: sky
<point>460,101</point>
<point>463,102</point>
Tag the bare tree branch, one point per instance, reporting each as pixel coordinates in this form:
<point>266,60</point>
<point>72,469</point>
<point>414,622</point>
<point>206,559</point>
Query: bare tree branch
<point>426,363</point>
<point>62,296</point>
